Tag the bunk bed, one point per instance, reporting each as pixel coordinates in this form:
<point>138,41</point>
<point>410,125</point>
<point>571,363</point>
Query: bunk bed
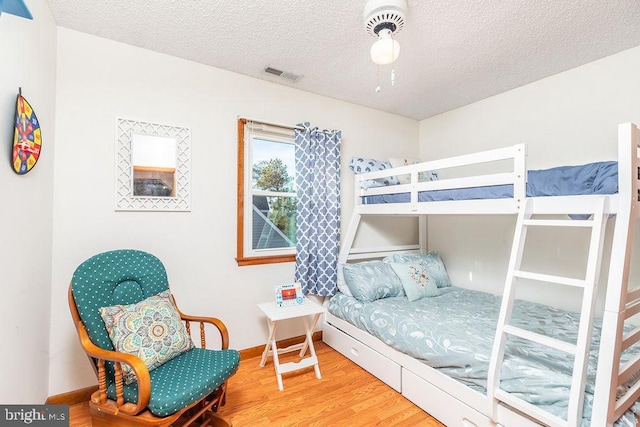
<point>603,356</point>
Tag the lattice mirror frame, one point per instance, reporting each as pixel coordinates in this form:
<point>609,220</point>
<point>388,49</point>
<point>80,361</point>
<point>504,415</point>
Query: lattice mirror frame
<point>125,199</point>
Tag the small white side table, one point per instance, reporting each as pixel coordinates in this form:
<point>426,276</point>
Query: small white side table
<point>276,314</point>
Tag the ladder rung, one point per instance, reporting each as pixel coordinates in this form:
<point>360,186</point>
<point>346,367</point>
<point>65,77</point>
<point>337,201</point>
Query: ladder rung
<point>632,309</point>
<point>630,338</point>
<point>628,369</point>
<point>540,339</point>
<point>627,400</point>
<point>523,406</point>
<point>550,278</point>
<point>559,222</point>
<point>633,295</point>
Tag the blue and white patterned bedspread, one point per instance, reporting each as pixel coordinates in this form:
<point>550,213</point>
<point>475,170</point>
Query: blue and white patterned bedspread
<point>454,333</point>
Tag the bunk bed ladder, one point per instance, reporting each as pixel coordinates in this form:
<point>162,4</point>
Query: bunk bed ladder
<point>580,349</point>
<point>622,300</point>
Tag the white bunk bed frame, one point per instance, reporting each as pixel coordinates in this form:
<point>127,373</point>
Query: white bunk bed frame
<point>447,399</point>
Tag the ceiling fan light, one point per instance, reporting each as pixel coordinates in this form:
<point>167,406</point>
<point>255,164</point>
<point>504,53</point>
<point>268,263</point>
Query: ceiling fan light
<point>385,50</point>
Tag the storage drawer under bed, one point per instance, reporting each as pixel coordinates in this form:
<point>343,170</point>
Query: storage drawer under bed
<point>439,404</point>
<point>453,412</point>
<point>386,370</point>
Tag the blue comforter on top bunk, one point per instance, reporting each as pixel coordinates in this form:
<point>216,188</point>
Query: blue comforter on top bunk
<point>454,332</point>
<point>591,178</point>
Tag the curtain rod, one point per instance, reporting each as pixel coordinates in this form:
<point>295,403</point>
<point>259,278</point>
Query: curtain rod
<point>264,122</point>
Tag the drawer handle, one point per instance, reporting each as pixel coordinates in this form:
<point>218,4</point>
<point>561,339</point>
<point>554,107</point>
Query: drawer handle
<point>354,351</point>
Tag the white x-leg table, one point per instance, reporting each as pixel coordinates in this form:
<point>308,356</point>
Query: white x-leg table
<point>275,314</point>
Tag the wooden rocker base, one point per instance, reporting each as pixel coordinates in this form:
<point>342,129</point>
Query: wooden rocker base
<point>101,419</point>
<point>216,420</point>
<point>109,416</point>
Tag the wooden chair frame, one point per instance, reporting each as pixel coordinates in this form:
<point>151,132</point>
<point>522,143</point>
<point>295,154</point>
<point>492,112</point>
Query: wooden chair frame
<point>107,412</point>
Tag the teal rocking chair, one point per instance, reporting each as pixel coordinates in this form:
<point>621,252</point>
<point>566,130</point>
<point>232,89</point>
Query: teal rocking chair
<point>125,286</point>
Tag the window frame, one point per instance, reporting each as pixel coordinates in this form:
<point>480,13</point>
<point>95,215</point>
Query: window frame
<point>244,174</point>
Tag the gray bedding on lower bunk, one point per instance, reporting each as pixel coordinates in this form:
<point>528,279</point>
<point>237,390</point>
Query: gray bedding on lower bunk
<point>454,333</point>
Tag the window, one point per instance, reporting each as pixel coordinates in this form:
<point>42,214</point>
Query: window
<point>266,194</point>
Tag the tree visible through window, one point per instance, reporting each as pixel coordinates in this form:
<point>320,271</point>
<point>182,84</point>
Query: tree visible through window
<point>266,194</point>
<point>273,184</point>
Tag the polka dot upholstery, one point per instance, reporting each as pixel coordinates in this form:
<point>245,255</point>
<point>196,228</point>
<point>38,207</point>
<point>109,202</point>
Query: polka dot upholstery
<point>184,380</point>
<point>123,276</point>
<point>129,276</point>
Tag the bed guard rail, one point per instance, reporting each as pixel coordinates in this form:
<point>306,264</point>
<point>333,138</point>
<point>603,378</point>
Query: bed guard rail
<point>514,155</point>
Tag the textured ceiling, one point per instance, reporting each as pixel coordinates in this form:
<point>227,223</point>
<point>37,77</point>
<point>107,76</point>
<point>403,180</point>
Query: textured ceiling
<point>453,52</point>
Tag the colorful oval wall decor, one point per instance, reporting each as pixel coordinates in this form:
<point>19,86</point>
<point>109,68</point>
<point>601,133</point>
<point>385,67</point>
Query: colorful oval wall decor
<point>27,138</point>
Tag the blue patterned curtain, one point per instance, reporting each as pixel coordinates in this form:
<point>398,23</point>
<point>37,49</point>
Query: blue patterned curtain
<point>317,156</point>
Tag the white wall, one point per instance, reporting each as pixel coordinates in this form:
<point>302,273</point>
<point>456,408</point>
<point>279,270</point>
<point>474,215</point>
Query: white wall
<point>572,115</point>
<point>569,118</point>
<point>27,52</point>
<point>100,80</point>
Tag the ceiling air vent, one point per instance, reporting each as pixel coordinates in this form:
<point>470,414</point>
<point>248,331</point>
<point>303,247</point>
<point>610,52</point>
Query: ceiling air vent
<point>282,74</point>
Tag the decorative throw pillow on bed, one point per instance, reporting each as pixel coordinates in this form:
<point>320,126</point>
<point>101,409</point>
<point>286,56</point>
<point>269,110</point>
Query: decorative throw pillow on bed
<point>406,179</point>
<point>434,262</point>
<point>372,280</point>
<point>342,285</point>
<point>150,329</point>
<point>416,279</point>
<point>361,165</point>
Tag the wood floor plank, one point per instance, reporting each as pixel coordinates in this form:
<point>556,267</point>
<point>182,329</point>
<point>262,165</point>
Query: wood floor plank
<point>346,395</point>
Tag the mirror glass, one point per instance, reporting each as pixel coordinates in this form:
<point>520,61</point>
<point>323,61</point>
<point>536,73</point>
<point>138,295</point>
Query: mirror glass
<point>153,159</point>
<point>152,167</point>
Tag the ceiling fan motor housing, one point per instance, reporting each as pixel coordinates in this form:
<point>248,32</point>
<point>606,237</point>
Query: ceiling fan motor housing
<point>384,14</point>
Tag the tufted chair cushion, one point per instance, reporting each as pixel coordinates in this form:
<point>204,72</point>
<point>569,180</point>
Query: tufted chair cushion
<point>184,380</point>
<point>124,276</point>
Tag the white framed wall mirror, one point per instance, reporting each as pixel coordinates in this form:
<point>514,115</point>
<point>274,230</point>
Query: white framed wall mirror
<point>152,167</point>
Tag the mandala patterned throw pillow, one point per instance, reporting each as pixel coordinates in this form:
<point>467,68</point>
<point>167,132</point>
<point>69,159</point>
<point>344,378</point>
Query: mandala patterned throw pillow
<point>150,329</point>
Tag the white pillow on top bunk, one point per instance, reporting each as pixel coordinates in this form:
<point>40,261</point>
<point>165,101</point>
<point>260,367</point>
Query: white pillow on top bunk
<point>396,162</point>
<point>362,165</point>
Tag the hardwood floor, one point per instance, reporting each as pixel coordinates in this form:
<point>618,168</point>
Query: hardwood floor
<point>346,395</point>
